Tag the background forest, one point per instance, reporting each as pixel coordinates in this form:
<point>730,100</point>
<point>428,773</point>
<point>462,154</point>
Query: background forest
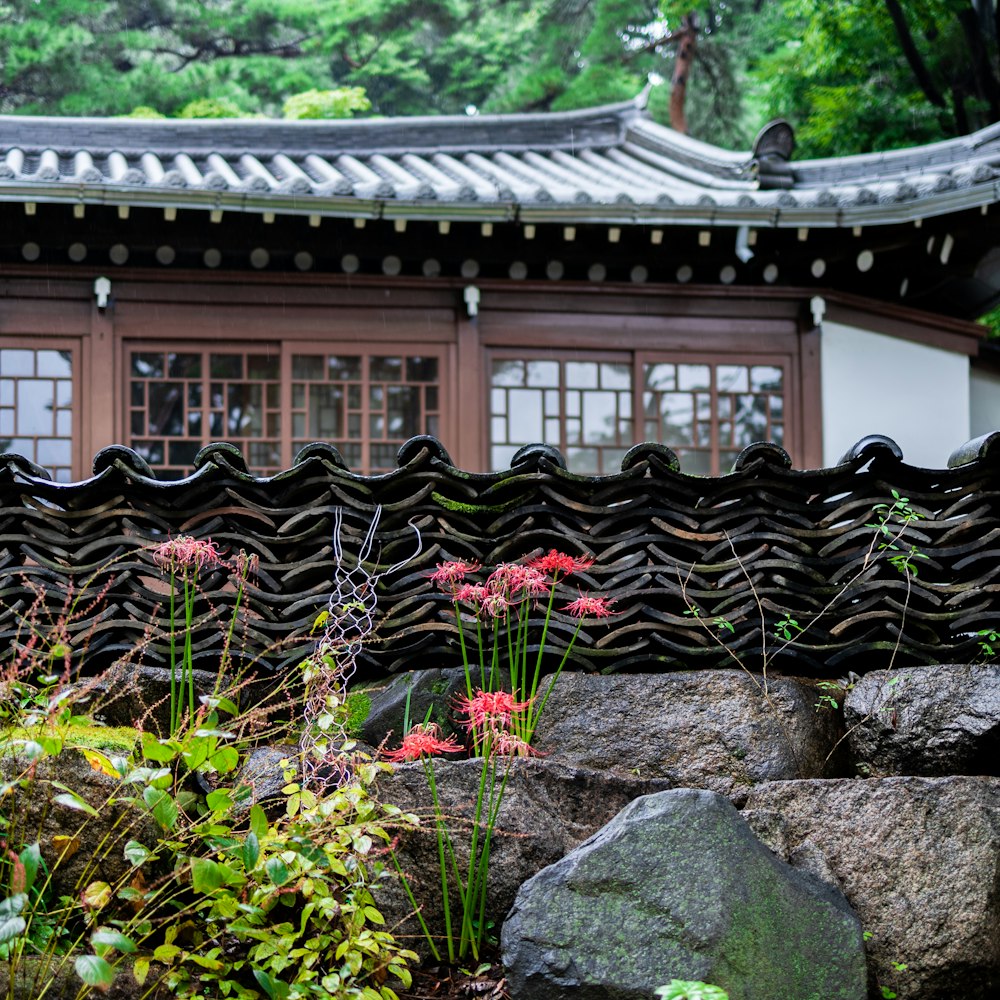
<point>851,75</point>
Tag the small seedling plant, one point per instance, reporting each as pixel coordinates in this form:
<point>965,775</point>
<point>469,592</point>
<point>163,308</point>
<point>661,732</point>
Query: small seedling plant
<point>891,522</point>
<point>679,989</point>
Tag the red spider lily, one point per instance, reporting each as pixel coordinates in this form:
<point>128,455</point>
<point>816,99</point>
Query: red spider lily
<point>245,566</point>
<point>422,741</point>
<point>488,708</point>
<point>504,743</point>
<point>472,593</point>
<point>591,607</point>
<point>448,574</point>
<point>516,579</point>
<point>185,552</point>
<point>560,562</point>
<point>496,605</point>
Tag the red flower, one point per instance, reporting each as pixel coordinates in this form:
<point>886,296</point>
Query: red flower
<point>473,593</point>
<point>450,573</point>
<point>506,744</point>
<point>560,562</point>
<point>591,607</point>
<point>246,566</point>
<point>493,708</point>
<point>514,580</point>
<point>422,741</point>
<point>496,605</point>
<point>185,552</point>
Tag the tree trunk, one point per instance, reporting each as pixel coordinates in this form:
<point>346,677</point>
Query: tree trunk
<point>687,39</point>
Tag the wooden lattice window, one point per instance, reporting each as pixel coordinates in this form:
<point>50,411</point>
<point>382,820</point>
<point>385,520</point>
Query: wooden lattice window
<point>583,406</point>
<point>180,400</point>
<point>705,408</point>
<point>709,411</point>
<point>367,403</point>
<point>36,406</point>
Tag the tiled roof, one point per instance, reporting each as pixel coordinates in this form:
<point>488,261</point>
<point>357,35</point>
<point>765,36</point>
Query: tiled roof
<point>610,164</point>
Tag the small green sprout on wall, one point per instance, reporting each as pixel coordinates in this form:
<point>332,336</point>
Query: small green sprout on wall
<point>678,989</point>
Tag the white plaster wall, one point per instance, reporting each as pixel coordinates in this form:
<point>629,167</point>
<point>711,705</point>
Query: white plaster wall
<point>985,402</point>
<point>874,384</point>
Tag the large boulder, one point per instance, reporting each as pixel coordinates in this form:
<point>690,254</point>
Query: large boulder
<point>677,886</point>
<point>91,844</point>
<point>715,729</point>
<point>934,721</point>
<point>918,860</point>
<point>54,977</point>
<point>547,809</point>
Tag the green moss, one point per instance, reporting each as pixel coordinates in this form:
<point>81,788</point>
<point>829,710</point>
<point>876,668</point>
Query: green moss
<point>359,705</point>
<point>473,508</point>
<point>120,739</point>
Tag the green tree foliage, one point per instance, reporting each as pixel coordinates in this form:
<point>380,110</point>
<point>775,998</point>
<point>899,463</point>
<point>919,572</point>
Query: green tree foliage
<point>854,77</point>
<point>850,76</point>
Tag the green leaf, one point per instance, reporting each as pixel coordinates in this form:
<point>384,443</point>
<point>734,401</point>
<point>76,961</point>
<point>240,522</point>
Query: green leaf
<point>258,821</point>
<point>277,871</point>
<point>158,750</point>
<point>140,969</point>
<point>108,937</point>
<point>251,851</point>
<point>136,853</point>
<point>220,800</point>
<point>274,988</point>
<point>225,759</point>
<point>207,876</point>
<point>12,924</point>
<point>162,806</point>
<point>71,800</point>
<point>94,971</point>
<point>31,858</point>
<point>166,953</point>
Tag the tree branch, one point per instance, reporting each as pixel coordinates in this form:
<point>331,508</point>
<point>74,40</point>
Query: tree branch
<point>913,56</point>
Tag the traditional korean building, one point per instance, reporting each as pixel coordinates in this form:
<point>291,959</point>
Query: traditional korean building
<point>588,279</point>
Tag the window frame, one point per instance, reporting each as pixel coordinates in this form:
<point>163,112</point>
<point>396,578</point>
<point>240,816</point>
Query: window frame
<point>284,350</point>
<point>75,346</point>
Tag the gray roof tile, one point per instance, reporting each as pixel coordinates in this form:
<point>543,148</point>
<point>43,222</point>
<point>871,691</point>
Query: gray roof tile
<point>610,164</point>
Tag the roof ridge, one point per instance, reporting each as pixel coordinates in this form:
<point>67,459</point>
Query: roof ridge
<point>584,127</point>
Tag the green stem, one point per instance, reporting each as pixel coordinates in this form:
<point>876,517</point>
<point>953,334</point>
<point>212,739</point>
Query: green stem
<point>442,833</point>
<point>189,590</point>
<point>475,887</point>
<point>534,717</point>
<point>465,654</point>
<point>416,909</point>
<point>173,655</point>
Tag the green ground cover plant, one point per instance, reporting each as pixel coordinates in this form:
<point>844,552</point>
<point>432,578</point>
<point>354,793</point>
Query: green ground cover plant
<point>213,895</point>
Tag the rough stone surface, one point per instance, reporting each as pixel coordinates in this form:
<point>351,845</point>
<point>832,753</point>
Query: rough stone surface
<point>35,816</point>
<point>55,979</point>
<point>547,810</point>
<point>933,721</point>
<point>129,694</point>
<point>711,729</point>
<point>433,689</point>
<point>677,886</point>
<point>918,859</point>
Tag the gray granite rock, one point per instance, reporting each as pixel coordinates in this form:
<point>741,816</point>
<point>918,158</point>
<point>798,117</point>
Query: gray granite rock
<point>713,729</point>
<point>677,886</point>
<point>918,859</point>
<point>934,721</point>
<point>433,690</point>
<point>94,849</point>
